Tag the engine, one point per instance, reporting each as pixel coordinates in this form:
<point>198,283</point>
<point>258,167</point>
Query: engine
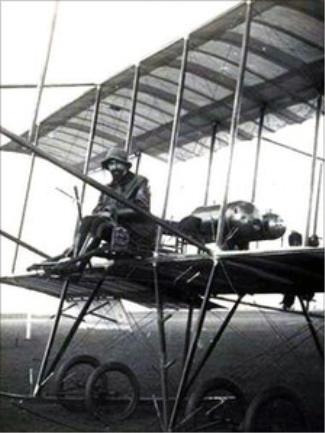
<point>243,224</point>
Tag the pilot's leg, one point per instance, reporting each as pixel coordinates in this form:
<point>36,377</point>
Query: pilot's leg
<point>92,230</point>
<point>84,236</point>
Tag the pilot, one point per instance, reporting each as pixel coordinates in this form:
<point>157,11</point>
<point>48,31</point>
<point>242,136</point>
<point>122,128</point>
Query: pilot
<point>111,217</point>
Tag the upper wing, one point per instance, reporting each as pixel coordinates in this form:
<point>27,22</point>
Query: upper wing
<point>284,74</point>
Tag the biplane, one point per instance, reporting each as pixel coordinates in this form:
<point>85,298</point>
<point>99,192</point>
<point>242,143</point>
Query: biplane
<point>257,68</point>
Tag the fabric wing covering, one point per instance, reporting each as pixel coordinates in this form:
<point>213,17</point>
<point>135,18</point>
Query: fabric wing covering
<point>284,75</point>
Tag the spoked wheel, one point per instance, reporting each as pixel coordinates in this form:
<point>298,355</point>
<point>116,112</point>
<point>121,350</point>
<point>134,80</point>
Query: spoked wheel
<point>276,409</point>
<point>71,379</point>
<point>217,405</point>
<point>112,392</point>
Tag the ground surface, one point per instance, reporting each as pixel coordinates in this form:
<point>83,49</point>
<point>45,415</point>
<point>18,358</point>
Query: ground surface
<point>258,350</point>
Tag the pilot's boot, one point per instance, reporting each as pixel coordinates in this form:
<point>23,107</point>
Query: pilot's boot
<point>82,246</point>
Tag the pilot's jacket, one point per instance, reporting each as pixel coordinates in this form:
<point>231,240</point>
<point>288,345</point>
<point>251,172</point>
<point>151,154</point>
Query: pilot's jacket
<point>135,188</point>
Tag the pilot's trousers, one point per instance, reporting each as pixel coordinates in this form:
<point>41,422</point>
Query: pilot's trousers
<point>92,230</point>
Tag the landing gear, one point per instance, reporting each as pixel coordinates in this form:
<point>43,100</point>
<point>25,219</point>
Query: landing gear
<point>71,379</point>
<point>217,405</point>
<point>112,392</point>
<point>276,409</point>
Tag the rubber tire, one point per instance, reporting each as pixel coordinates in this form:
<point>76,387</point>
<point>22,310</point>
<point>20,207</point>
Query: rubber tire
<point>62,372</point>
<point>113,366</point>
<point>265,397</point>
<point>208,386</point>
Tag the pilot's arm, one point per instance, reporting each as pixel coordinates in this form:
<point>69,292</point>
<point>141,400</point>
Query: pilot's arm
<point>104,207</point>
<point>141,199</point>
<point>100,205</point>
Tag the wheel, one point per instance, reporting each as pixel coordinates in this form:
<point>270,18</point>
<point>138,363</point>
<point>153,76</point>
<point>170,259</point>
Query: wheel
<point>276,409</point>
<point>112,392</point>
<point>71,379</point>
<point>216,405</point>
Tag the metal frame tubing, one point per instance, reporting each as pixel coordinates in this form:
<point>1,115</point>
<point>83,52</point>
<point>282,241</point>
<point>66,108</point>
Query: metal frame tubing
<point>105,189</point>
<point>101,316</point>
<point>193,346</point>
<point>24,244</point>
<point>44,71</point>
<point>313,167</point>
<point>99,307</point>
<point>128,141</point>
<point>163,348</point>
<point>187,332</point>
<point>258,152</point>
<point>90,141</point>
<point>51,339</point>
<point>160,319</point>
<point>137,166</point>
<point>211,152</point>
<point>317,200</point>
<point>313,332</point>
<point>213,343</point>
<point>293,149</point>
<point>235,118</point>
<point>176,124</point>
<point>267,307</point>
<point>33,86</point>
<point>90,144</point>
<point>64,310</point>
<point>174,135</point>
<point>24,209</point>
<point>33,134</point>
<point>72,331</point>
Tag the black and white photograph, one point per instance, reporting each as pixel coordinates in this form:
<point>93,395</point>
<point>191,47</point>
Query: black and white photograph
<point>162,216</point>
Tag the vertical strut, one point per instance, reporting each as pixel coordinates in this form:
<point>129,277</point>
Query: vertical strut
<point>33,133</point>
<point>174,134</point>
<point>41,83</point>
<point>163,348</point>
<point>258,152</point>
<point>51,339</point>
<point>313,166</point>
<point>311,328</point>
<point>138,155</point>
<point>90,144</point>
<point>192,348</point>
<point>176,124</point>
<point>213,343</point>
<point>73,329</point>
<point>128,141</point>
<point>235,119</point>
<point>212,144</point>
<point>187,332</point>
<point>319,186</point>
<point>24,210</point>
